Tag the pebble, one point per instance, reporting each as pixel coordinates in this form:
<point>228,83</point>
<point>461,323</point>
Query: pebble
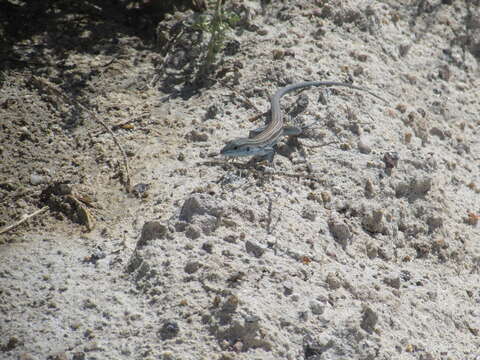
<point>364,145</point>
<point>333,280</point>
<point>254,249</point>
<point>369,319</point>
<point>372,250</point>
<point>207,223</point>
<point>313,348</point>
<point>192,267</point>
<point>208,247</point>
<point>231,303</point>
<point>169,330</point>
<point>12,343</point>
<point>287,288</point>
<point>151,230</point>
<point>373,221</point>
<point>316,307</point>
<point>199,204</point>
<point>212,111</point>
<point>36,179</point>
<point>418,186</point>
<point>193,232</point>
<point>340,231</point>
<point>309,213</point>
<point>196,136</point>
<point>392,281</point>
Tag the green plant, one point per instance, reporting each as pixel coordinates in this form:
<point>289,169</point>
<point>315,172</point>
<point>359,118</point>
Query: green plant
<point>216,24</point>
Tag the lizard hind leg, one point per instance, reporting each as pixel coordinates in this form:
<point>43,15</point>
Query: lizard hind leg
<point>267,155</point>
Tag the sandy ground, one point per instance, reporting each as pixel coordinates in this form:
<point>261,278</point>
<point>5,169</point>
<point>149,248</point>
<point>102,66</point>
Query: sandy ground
<point>360,241</point>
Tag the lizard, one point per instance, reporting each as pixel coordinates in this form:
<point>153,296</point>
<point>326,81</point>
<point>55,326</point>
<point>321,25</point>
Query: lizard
<point>262,141</point>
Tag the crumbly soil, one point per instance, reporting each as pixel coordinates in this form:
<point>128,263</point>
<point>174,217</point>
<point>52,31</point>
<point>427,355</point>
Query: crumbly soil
<point>360,241</point>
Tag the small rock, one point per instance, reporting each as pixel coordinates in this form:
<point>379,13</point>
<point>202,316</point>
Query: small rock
<point>333,280</point>
<point>93,258</point>
<point>140,190</point>
<point>92,346</point>
<point>212,111</point>
<point>314,348</point>
<point>372,250</point>
<point>37,179</point>
<point>193,232</point>
<point>287,288</point>
<point>369,189</point>
<point>316,307</point>
<point>151,230</point>
<point>403,49</point>
<point>437,132</point>
<point>392,281</point>
<point>75,325</point>
<point>369,319</point>
<point>238,346</point>
<point>364,145</point>
<point>235,278</point>
<point>252,319</point>
<point>134,263</point>
<point>391,160</point>
<point>192,267</point>
<point>340,231</point>
<point>199,204</point>
<point>401,107</point>
<point>180,226</point>
<point>207,223</point>
<point>309,213</point>
<point>232,239</point>
<point>230,304</point>
<point>208,247</point>
<point>303,315</point>
<point>254,249</point>
<point>12,343</point>
<point>169,330</point>
<point>373,222</point>
<point>386,253</point>
<point>415,188</point>
<point>196,136</point>
<point>262,32</point>
<point>89,304</point>
<point>231,47</point>
<point>326,196</point>
<point>358,70</point>
<point>434,223</point>
<point>444,72</point>
<point>423,248</point>
<point>405,275</point>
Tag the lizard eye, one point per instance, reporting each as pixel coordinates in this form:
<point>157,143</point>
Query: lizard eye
<point>248,149</point>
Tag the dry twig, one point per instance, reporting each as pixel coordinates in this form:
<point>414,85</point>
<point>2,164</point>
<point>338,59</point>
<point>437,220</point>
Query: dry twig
<point>23,219</point>
<point>44,84</point>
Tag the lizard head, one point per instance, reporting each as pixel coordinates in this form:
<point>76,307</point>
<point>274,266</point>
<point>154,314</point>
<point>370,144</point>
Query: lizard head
<point>239,147</point>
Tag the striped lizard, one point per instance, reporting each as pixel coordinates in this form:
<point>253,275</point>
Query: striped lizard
<point>262,141</point>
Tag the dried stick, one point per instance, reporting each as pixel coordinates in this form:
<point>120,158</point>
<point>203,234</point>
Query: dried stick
<point>269,219</point>
<point>22,220</point>
<point>42,83</point>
